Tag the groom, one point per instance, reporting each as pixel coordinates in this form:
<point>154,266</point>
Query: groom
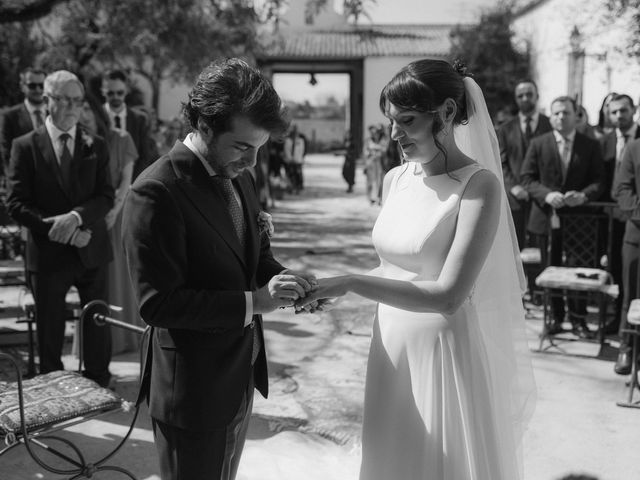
<point>203,272</point>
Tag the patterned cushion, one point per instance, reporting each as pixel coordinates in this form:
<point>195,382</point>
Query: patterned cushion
<point>51,398</point>
<point>575,278</point>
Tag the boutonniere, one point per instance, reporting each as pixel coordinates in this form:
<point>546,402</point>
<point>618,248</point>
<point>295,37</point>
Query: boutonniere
<point>87,139</point>
<point>265,224</point>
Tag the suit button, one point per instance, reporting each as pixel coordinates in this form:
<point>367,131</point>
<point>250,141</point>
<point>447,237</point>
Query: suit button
<point>252,324</point>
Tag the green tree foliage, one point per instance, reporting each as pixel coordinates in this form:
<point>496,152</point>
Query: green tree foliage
<point>487,50</point>
<point>18,50</point>
<point>616,8</point>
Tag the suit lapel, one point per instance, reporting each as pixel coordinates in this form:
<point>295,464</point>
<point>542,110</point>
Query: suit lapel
<point>45,147</point>
<point>206,198</point>
<point>24,120</point>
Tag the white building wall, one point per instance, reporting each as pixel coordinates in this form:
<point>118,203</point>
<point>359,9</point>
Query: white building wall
<point>547,29</point>
<point>377,73</point>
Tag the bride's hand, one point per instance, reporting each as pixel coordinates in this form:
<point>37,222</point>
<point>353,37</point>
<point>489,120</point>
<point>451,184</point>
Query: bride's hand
<point>330,287</point>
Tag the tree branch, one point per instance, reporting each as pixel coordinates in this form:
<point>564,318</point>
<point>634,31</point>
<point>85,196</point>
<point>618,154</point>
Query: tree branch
<point>25,10</point>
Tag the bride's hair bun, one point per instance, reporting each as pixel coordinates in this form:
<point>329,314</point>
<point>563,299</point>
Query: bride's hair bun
<point>461,68</point>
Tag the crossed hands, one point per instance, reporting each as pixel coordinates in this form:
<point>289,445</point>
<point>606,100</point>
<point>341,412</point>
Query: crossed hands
<point>65,229</point>
<point>571,198</point>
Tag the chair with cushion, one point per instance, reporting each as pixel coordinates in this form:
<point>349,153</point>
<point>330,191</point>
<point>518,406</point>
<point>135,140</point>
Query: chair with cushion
<point>33,411</point>
<point>633,319</point>
<point>581,275</point>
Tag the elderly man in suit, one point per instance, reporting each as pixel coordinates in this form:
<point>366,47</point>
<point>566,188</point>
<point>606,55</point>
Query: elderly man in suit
<point>514,137</point>
<point>199,255</point>
<point>621,111</point>
<point>115,87</point>
<point>25,116</point>
<point>562,170</point>
<point>60,190</point>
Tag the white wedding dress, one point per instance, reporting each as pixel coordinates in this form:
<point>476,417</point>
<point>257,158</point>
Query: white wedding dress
<point>430,410</point>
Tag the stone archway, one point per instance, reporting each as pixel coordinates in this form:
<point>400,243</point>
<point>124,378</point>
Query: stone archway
<point>353,68</point>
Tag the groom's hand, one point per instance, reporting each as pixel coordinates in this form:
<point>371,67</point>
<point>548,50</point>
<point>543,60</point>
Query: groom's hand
<point>281,291</point>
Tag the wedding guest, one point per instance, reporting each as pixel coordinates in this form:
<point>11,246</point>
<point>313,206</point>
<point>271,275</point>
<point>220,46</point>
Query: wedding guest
<point>60,190</point>
<point>115,87</point>
<point>582,123</point>
<point>621,111</point>
<point>444,394</point>
<point>203,273</point>
<point>294,151</point>
<point>350,158</point>
<point>375,149</point>
<point>562,171</point>
<point>604,121</point>
<point>26,115</point>
<point>122,155</point>
<point>514,137</point>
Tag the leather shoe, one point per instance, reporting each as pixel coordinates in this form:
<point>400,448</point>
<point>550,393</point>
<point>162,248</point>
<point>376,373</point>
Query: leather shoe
<point>555,328</point>
<point>623,363</point>
<point>581,330</point>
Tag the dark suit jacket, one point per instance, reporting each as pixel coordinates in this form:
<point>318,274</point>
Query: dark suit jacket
<point>625,190</point>
<point>512,152</point>
<point>542,173</point>
<point>36,191</point>
<point>138,128</point>
<point>608,144</point>
<point>189,275</point>
<point>16,121</point>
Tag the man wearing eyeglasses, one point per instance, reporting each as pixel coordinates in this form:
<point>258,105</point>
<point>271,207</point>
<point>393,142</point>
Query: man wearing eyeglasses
<point>59,188</point>
<point>25,116</point>
<point>115,88</point>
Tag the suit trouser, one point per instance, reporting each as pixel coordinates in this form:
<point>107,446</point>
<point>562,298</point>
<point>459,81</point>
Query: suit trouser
<point>630,282</point>
<point>49,292</point>
<point>203,455</point>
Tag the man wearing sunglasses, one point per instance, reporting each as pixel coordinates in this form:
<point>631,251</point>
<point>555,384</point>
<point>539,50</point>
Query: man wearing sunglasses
<point>25,116</point>
<point>59,189</point>
<point>122,117</point>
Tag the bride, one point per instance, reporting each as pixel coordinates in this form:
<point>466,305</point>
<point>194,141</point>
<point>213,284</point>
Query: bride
<point>449,385</point>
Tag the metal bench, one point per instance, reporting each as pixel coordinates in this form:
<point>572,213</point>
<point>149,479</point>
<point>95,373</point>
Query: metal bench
<point>32,411</point>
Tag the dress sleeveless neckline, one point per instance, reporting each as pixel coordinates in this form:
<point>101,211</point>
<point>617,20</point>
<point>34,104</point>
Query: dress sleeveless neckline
<point>418,169</point>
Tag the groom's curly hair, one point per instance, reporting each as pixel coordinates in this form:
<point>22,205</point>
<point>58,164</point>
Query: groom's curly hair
<point>231,87</point>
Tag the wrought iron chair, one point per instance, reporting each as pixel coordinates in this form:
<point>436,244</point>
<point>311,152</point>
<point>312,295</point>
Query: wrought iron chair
<point>585,236</point>
<point>32,411</point>
<point>633,319</point>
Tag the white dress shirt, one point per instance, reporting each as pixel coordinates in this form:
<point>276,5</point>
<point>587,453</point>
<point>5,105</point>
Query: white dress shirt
<point>623,138</point>
<point>31,108</point>
<point>54,134</point>
<point>122,114</point>
<point>523,121</point>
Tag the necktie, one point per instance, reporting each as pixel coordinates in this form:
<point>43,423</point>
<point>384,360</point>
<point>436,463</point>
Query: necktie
<point>116,120</point>
<point>38,115</point>
<point>237,217</point>
<point>622,143</point>
<point>528,133</point>
<point>566,157</point>
<point>240,227</point>
<point>65,161</point>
